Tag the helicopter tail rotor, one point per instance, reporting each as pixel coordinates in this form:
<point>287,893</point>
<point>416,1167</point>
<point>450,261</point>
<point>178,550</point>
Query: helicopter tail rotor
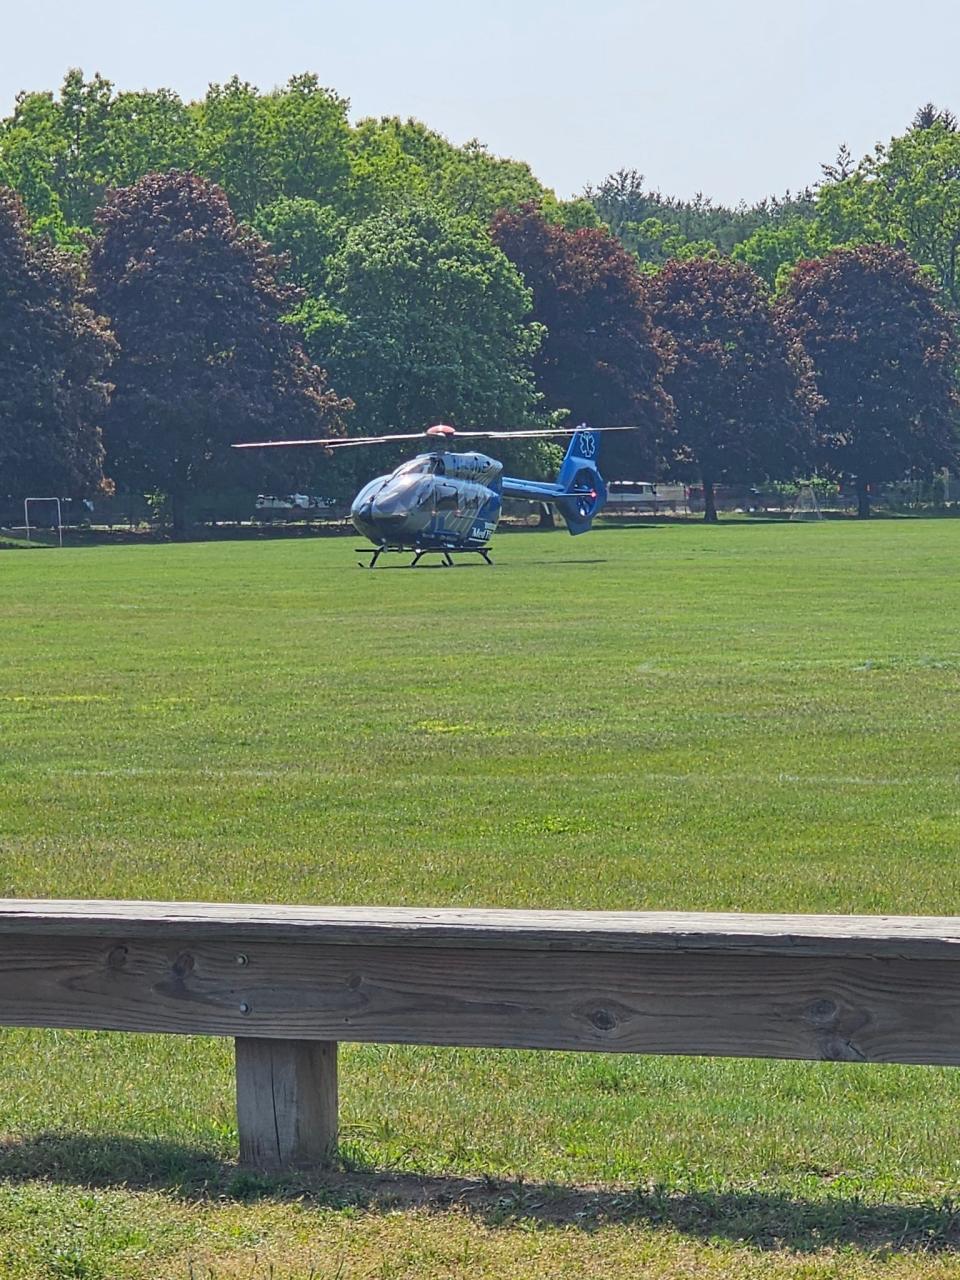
<point>585,491</point>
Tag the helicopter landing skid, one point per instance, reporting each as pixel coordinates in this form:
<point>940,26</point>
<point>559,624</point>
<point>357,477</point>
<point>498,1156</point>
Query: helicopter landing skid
<point>418,552</point>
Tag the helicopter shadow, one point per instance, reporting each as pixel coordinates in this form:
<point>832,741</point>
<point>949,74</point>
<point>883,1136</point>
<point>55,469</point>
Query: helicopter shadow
<point>393,568</point>
<point>584,560</point>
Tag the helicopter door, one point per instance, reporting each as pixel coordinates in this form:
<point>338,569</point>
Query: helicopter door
<point>446,497</point>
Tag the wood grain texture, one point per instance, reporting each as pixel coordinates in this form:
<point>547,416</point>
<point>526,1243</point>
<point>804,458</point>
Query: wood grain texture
<point>286,1102</point>
<point>801,1006</point>
<point>922,937</point>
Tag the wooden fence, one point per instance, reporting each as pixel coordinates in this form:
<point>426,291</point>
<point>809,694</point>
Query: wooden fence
<point>289,983</point>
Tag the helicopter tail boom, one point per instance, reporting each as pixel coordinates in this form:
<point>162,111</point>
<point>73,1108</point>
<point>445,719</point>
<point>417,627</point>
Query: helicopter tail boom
<point>579,492</point>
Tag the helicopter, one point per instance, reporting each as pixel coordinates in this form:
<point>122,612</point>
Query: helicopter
<point>447,502</point>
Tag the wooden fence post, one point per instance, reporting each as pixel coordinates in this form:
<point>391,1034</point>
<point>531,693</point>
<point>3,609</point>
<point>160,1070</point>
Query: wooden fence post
<point>286,1102</point>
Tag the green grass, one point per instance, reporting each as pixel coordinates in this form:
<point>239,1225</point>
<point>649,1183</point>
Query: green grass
<point>753,717</point>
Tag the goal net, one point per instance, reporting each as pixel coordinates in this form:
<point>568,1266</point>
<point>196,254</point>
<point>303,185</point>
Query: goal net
<point>50,526</point>
<point>807,505</point>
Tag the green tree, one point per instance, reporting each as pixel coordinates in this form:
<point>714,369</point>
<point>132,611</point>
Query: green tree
<point>655,242</point>
<point>205,358</point>
<point>309,140</point>
<point>742,389</point>
<point>148,132</point>
<point>307,233</point>
<point>771,251</point>
<point>885,356</point>
<point>905,194</point>
<point>61,154</point>
<point>54,359</point>
<point>32,151</point>
<point>383,173</point>
<point>425,321</point>
<point>917,199</point>
<point>929,115</point>
<point>81,159</point>
<point>258,147</point>
<point>398,163</point>
<point>573,215</point>
<point>475,182</point>
<point>625,204</point>
<point>235,145</point>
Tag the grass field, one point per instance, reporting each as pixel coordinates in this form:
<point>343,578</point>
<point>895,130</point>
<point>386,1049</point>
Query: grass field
<point>752,717</point>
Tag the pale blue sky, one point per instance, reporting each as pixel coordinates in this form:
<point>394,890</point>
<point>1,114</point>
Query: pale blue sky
<point>738,98</point>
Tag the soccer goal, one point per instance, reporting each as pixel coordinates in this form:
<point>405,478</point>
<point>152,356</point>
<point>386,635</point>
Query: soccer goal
<point>807,505</point>
<point>28,502</point>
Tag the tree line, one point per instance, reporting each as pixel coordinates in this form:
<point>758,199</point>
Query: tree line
<point>176,277</point>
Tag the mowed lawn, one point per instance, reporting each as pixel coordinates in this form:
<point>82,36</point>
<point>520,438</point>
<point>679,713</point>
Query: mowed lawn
<point>756,717</point>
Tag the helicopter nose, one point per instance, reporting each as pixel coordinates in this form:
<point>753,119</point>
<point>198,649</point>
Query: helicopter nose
<point>361,509</point>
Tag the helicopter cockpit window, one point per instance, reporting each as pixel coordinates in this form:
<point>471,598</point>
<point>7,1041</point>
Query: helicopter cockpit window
<point>417,466</point>
<point>447,497</point>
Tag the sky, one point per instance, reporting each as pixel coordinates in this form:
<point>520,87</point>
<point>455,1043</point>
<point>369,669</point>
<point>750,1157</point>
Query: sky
<point>736,99</point>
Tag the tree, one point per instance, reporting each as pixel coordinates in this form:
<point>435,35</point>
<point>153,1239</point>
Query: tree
<point>307,233</point>
<point>905,194</point>
<point>842,167</point>
<point>402,163</point>
<point>205,356</point>
<point>655,242</point>
<point>149,132</point>
<point>383,172</point>
<point>309,140</point>
<point>601,359</point>
<point>61,154</point>
<point>916,190</point>
<point>425,321</point>
<point>625,205</point>
<point>64,151</point>
<point>773,250</point>
<point>885,355</point>
<point>235,145</point>
<point>28,150</point>
<point>741,388</point>
<point>54,357</point>
<point>928,115</point>
<point>573,215</point>
<point>81,155</point>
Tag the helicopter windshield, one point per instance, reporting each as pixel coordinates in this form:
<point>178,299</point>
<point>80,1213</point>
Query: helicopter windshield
<point>426,465</point>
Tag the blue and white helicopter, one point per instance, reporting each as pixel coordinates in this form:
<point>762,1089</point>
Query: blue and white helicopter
<point>446,502</point>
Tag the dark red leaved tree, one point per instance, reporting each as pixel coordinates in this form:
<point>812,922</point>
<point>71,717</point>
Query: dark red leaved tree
<point>54,359</point>
<point>205,356</point>
<point>602,359</point>
<point>885,355</point>
<point>742,390</point>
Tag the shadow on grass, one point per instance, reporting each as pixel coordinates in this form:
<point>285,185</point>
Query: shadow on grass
<point>567,560</point>
<point>761,1220</point>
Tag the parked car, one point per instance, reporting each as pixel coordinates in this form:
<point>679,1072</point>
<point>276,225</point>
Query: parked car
<point>291,506</point>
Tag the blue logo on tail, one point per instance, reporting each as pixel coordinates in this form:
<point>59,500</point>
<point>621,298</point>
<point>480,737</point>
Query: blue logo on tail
<point>587,444</point>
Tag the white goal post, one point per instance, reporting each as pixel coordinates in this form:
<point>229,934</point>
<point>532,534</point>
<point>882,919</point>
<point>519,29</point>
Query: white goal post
<point>26,516</point>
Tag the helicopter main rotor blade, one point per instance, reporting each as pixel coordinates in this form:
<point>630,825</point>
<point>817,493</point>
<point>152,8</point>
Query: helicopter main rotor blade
<point>337,442</point>
<point>528,435</point>
<point>351,442</point>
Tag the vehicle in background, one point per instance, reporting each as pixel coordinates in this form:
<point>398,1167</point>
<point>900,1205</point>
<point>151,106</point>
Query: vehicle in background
<point>292,506</point>
<point>644,495</point>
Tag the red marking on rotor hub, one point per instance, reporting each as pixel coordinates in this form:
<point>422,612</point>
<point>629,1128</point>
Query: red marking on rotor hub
<point>441,429</point>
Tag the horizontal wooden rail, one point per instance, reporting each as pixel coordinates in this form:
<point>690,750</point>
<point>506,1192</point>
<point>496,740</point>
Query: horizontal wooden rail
<point>289,983</point>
